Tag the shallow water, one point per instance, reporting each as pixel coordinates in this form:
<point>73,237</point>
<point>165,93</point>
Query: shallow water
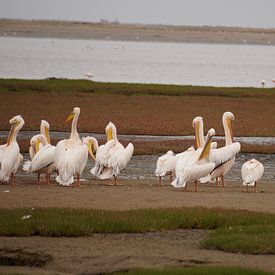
<point>137,62</point>
<point>143,167</point>
<point>133,138</point>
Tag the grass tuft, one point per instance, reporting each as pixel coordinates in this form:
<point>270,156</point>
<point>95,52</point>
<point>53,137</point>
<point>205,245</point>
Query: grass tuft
<point>195,271</point>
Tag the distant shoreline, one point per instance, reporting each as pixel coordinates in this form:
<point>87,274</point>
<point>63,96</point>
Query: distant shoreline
<point>135,32</point>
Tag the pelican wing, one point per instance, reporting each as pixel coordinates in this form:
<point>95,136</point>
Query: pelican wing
<point>166,163</point>
<point>119,157</point>
<point>224,154</point>
<point>70,158</point>
<point>42,159</point>
<point>251,172</point>
<point>10,156</point>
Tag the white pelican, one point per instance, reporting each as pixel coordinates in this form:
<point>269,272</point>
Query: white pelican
<point>199,133</point>
<point>252,171</point>
<point>71,154</point>
<point>224,157</point>
<point>194,164</point>
<point>10,156</point>
<point>166,165</point>
<point>111,157</point>
<point>42,161</point>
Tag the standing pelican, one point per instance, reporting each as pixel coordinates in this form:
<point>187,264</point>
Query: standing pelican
<point>111,157</point>
<point>194,164</point>
<point>71,154</point>
<point>10,156</point>
<point>44,130</point>
<point>166,165</point>
<point>42,161</point>
<point>252,171</point>
<point>224,157</point>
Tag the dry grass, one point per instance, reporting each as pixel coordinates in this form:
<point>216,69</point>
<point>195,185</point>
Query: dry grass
<point>136,108</point>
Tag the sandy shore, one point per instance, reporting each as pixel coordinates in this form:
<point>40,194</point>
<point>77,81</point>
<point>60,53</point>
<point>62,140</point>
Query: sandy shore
<point>102,253</point>
<point>135,194</point>
<point>136,32</point>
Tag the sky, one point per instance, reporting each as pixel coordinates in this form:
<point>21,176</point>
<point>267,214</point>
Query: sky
<point>241,13</point>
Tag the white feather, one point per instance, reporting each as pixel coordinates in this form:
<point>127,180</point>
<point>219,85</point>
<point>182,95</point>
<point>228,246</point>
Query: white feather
<point>252,171</point>
<point>165,164</point>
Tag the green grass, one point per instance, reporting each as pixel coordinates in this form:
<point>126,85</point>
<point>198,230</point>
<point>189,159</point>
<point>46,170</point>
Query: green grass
<point>195,271</point>
<point>252,239</point>
<point>87,86</point>
<point>231,230</point>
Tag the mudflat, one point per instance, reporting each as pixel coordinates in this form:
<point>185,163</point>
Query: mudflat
<point>136,32</point>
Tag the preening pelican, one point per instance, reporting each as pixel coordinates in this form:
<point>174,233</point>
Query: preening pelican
<point>194,164</point>
<point>252,171</point>
<point>111,157</point>
<point>42,162</point>
<point>224,157</point>
<point>71,154</point>
<point>166,165</point>
<point>10,156</point>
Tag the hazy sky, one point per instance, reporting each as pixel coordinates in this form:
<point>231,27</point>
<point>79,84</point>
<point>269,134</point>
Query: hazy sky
<point>243,13</point>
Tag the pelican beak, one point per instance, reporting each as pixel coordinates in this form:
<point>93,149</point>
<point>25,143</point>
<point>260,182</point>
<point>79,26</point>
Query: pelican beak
<point>109,134</point>
<point>197,129</point>
<point>91,150</point>
<point>229,124</point>
<point>206,150</point>
<point>70,117</point>
<point>47,132</point>
<point>11,134</point>
<point>37,145</point>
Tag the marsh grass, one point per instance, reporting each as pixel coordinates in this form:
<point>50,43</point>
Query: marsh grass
<point>83,222</point>
<point>230,230</point>
<point>250,239</point>
<point>205,270</point>
<point>86,86</point>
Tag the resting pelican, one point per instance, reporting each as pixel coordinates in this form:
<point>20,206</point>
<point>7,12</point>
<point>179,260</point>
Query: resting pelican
<point>252,171</point>
<point>199,133</point>
<point>111,157</point>
<point>194,164</point>
<point>42,162</point>
<point>224,157</point>
<point>166,165</point>
<point>71,154</point>
<point>10,156</point>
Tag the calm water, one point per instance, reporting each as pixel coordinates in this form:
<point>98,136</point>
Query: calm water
<point>141,62</point>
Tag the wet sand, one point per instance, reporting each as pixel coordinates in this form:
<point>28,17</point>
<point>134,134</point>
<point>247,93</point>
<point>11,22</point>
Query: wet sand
<point>136,32</point>
<point>101,253</point>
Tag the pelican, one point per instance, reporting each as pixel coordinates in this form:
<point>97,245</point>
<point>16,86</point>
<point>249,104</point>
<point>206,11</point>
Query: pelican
<point>252,171</point>
<point>10,156</point>
<point>199,133</point>
<point>224,157</point>
<point>71,154</point>
<point>111,157</point>
<point>166,165</point>
<point>42,161</point>
<point>194,164</point>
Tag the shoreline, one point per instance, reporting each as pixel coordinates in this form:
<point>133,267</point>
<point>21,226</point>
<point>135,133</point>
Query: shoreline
<point>136,32</point>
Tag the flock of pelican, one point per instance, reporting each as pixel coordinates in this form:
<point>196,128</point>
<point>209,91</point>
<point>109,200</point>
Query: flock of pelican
<point>208,163</point>
<point>69,157</point>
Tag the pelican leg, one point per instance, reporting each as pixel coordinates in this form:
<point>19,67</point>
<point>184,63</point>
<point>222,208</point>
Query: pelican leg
<point>159,181</point>
<point>115,179</point>
<point>48,176</point>
<point>223,184</point>
<point>217,182</point>
<point>38,178</point>
<point>246,188</point>
<point>12,178</point>
<point>171,177</point>
<point>254,189</point>
<point>196,185</point>
<point>78,180</point>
